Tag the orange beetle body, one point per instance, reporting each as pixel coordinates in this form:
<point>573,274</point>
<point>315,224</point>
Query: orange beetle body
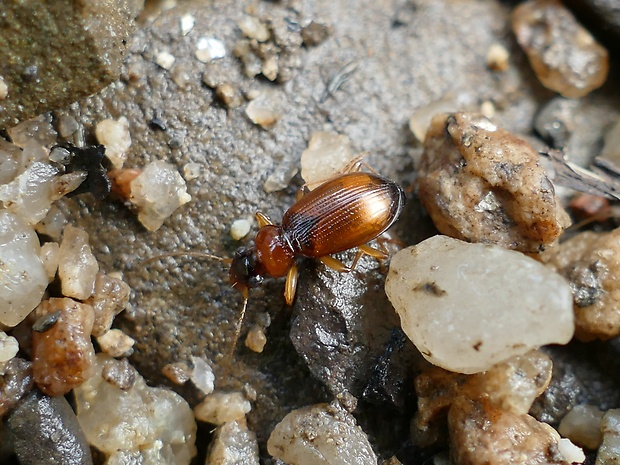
<point>345,212</point>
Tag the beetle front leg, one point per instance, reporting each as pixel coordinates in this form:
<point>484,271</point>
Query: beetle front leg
<point>290,287</point>
<point>262,220</point>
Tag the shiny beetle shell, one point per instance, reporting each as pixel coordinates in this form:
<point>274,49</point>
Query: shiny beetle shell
<point>345,212</point>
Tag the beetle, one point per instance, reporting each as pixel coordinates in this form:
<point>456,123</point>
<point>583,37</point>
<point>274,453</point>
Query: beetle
<point>343,213</point>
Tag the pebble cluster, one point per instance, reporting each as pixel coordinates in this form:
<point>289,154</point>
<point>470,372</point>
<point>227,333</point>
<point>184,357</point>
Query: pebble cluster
<point>477,301</point>
<point>39,248</point>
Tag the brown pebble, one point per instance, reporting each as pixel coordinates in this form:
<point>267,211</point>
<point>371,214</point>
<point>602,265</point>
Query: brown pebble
<point>63,356</point>
<point>121,181</point>
<point>178,373</point>
<point>119,373</point>
<point>480,183</point>
<point>228,95</point>
<point>591,263</point>
<point>564,55</point>
<point>314,33</point>
<point>481,434</point>
<point>15,381</point>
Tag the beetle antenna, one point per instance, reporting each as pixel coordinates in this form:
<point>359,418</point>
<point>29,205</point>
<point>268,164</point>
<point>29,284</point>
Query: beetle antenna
<point>189,254</point>
<point>233,346</point>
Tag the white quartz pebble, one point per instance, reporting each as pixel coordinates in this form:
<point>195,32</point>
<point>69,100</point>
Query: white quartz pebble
<point>469,306</point>
<point>328,154</point>
<point>221,407</point>
<point>115,136</point>
<point>157,192</point>
<point>77,266</point>
<point>322,434</point>
<point>22,277</point>
<point>148,425</point>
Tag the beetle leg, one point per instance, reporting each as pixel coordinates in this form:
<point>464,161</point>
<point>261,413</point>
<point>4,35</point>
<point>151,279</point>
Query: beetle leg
<point>376,253</point>
<point>357,164</point>
<point>262,219</point>
<point>291,284</point>
<point>335,264</point>
<point>368,250</point>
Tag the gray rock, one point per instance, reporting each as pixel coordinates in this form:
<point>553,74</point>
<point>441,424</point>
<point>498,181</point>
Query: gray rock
<point>45,430</point>
<point>54,53</point>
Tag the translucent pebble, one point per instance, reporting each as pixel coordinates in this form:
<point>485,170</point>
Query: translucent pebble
<point>240,228</point>
<point>49,257</point>
<point>497,57</point>
<point>23,279</point>
<point>53,224</point>
<point>62,353</point>
<point>109,299</point>
<point>31,194</point>
<point>38,130</point>
<point>4,89</point>
<point>187,23</point>
<point>165,60</point>
<point>233,444</point>
<point>192,171</point>
<point>279,179</point>
<point>253,28</point>
<point>609,451</point>
<point>327,155</point>
<point>77,266</point>
<point>611,149</point>
<point>468,306</point>
<point>570,452</point>
<point>582,425</point>
<point>221,407</point>
<point>256,339</point>
<point>8,347</point>
<point>9,161</point>
<point>322,434</point>
<point>148,425</point>
<point>157,193</point>
<point>564,55</point>
<point>67,125</point>
<point>115,136</point>
<point>115,343</point>
<point>264,112</point>
<point>209,49</point>
<point>202,375</point>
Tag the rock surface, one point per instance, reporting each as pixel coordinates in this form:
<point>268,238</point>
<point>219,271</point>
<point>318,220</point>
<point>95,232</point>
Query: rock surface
<point>72,50</point>
<point>44,430</point>
<point>469,306</point>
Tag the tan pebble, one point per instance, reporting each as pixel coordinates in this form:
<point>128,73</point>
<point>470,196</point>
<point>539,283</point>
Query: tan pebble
<point>63,355</point>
